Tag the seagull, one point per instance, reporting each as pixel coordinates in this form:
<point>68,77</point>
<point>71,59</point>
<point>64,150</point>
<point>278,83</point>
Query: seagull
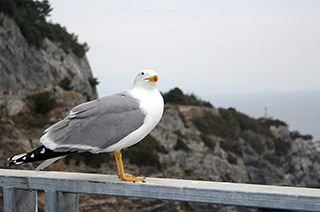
<point>108,124</point>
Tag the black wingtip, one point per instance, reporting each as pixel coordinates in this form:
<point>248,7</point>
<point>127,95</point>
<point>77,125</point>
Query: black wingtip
<point>41,153</point>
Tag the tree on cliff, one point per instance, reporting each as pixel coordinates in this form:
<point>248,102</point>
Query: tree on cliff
<point>31,18</point>
<point>176,96</point>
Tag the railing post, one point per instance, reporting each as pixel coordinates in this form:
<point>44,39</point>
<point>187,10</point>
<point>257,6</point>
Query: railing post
<point>61,201</point>
<point>15,200</point>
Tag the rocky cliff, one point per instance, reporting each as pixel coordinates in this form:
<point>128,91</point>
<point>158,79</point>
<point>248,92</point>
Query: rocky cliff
<point>191,142</point>
<point>25,68</point>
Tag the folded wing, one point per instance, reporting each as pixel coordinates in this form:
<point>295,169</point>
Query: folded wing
<point>95,125</point>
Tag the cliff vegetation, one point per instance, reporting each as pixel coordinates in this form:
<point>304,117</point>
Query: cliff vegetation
<point>176,96</point>
<point>31,15</point>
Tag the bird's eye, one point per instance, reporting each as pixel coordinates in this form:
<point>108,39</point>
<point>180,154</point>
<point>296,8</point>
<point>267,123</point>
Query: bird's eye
<point>142,73</point>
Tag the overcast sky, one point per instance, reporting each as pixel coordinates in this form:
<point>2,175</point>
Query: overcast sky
<point>203,47</point>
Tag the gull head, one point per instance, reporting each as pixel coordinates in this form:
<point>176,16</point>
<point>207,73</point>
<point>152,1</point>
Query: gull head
<point>146,79</point>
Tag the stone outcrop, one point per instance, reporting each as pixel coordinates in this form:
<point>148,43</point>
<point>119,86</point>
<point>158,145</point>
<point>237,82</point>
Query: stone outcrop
<point>271,157</point>
<point>24,68</point>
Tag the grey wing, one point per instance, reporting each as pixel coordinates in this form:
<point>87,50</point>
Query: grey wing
<point>97,124</point>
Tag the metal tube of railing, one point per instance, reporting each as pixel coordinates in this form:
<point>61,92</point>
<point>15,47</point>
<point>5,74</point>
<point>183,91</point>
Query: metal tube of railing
<point>62,188</point>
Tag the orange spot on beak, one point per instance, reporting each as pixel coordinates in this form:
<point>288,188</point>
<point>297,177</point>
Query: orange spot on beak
<point>153,78</point>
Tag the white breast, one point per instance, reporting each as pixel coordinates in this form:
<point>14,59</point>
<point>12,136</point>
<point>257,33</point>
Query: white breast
<point>151,104</point>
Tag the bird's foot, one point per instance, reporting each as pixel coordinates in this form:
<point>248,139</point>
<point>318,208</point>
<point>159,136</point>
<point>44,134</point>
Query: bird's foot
<point>131,178</point>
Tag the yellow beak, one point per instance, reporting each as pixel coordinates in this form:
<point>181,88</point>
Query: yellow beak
<point>154,78</point>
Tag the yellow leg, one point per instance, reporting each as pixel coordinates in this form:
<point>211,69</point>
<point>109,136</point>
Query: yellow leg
<point>121,174</point>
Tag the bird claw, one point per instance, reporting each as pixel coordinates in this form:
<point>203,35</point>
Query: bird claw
<point>131,178</point>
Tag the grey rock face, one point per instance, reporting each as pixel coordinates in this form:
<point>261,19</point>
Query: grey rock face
<point>187,155</point>
<point>25,69</point>
<point>284,161</point>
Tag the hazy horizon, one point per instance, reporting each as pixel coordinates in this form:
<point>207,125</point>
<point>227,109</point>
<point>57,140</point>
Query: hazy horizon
<point>300,109</point>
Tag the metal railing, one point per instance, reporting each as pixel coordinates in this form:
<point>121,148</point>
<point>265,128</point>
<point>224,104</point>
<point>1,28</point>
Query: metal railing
<point>62,188</point>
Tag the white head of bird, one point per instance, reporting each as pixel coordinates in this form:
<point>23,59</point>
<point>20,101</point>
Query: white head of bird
<point>146,79</point>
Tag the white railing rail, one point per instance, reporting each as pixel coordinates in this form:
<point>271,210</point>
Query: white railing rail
<point>62,188</point>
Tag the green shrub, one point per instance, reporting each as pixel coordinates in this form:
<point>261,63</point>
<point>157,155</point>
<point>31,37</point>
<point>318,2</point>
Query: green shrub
<point>233,123</point>
<point>31,15</point>
<point>145,153</point>
<point>254,141</point>
<point>277,123</point>
<point>281,147</point>
<point>307,137</point>
<point>203,124</point>
<point>232,146</point>
<point>207,141</point>
<point>240,122</point>
<point>41,103</point>
<point>232,159</point>
<point>180,145</point>
<point>176,96</point>
<point>248,123</point>
<point>93,81</point>
<point>65,84</point>
<point>7,7</point>
<point>208,123</point>
<point>297,134</point>
<point>194,100</point>
<point>30,120</point>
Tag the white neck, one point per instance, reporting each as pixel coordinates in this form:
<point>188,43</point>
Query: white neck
<point>145,85</point>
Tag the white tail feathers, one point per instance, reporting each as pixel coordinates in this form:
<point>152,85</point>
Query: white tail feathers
<point>47,163</point>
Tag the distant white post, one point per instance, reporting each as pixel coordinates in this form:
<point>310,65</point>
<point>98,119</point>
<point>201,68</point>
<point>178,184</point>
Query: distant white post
<point>266,113</point>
